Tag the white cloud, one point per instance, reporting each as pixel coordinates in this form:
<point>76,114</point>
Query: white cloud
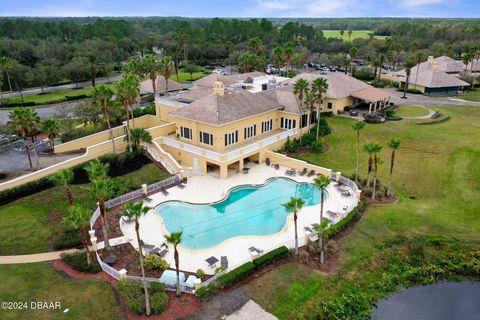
<point>417,3</point>
<point>304,8</point>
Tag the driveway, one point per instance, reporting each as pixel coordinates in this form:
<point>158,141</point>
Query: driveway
<point>423,100</point>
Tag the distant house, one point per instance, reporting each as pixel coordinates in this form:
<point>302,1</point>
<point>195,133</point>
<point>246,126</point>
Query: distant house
<point>436,76</point>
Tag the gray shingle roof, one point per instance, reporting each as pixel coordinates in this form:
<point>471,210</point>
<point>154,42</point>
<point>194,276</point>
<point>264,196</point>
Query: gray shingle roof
<point>209,80</point>
<point>146,86</point>
<point>436,79</point>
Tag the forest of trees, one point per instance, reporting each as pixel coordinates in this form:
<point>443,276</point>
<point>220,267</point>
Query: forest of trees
<point>48,51</point>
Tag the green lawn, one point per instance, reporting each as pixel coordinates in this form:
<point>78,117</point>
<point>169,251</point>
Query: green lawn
<point>29,223</point>
<point>53,96</point>
<point>471,96</point>
<point>86,299</point>
<point>413,111</point>
<point>437,179</point>
<point>185,77</point>
<point>355,34</point>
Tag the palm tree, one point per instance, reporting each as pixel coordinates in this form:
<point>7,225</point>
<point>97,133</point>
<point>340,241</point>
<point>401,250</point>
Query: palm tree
<point>375,148</point>
<point>97,170</point>
<point>135,211</point>
<point>5,65</point>
<point>477,58</point>
<point>288,52</point>
<point>64,177</point>
<point>320,85</point>
<point>166,68</point>
<point>138,136</point>
<point>419,56</point>
<point>409,64</point>
<point>294,205</point>
<point>311,99</point>
<point>24,122</point>
<point>93,61</point>
<point>174,239</point>
<point>353,51</point>
<point>51,127</point>
<point>102,189</point>
<point>127,93</point>
<point>377,64</point>
<point>322,183</point>
<point>320,230</point>
<point>393,144</point>
<point>466,58</point>
<point>102,100</point>
<point>278,56</point>
<point>369,148</point>
<point>359,125</point>
<point>152,66</point>
<point>79,218</point>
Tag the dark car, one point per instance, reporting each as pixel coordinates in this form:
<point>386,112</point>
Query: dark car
<point>210,67</point>
<point>353,113</point>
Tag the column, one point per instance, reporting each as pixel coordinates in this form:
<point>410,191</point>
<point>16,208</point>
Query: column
<point>337,177</point>
<point>240,165</point>
<point>370,108</point>
<point>144,189</point>
<point>223,171</point>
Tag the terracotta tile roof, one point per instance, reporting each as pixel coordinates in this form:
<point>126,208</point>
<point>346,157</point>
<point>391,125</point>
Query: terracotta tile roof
<point>371,94</point>
<point>222,109</point>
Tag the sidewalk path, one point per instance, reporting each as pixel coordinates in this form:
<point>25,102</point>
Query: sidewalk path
<point>30,258</point>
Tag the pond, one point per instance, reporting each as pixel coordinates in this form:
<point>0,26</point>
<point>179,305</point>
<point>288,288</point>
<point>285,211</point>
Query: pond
<point>441,301</point>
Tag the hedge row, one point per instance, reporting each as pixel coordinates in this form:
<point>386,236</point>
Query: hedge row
<point>33,103</point>
<point>340,225</point>
<point>119,165</point>
<point>271,256</point>
<point>236,275</point>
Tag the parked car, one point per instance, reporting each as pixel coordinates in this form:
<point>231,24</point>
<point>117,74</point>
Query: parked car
<point>210,67</point>
<point>353,113</point>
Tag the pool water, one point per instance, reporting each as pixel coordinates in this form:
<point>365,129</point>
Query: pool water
<point>251,210</point>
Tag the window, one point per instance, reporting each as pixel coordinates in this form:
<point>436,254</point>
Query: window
<point>186,133</point>
<point>304,121</point>
<point>249,132</point>
<point>231,138</point>
<point>287,123</point>
<point>313,117</point>
<point>206,138</point>
<point>329,106</point>
<point>267,125</point>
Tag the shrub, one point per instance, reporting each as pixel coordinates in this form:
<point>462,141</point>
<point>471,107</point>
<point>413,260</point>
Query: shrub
<point>218,270</point>
<point>410,91</point>
<point>78,261</point>
<point>339,226</point>
<point>236,275</point>
<point>364,74</point>
<point>271,256</point>
<point>206,291</point>
<point>77,97</point>
<point>153,262</point>
<point>66,238</point>
<point>23,190</point>
<point>134,296</point>
<point>200,274</point>
<point>317,146</point>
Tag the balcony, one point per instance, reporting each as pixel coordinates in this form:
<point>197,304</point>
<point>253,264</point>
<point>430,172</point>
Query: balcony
<point>232,152</point>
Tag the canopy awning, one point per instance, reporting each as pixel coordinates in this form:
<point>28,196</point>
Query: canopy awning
<point>371,94</point>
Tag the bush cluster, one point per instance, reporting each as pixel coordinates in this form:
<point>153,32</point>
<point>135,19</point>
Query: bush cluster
<point>271,256</point>
<point>410,91</point>
<point>150,109</point>
<point>134,296</point>
<point>78,261</point>
<point>309,139</point>
<point>236,275</point>
<point>153,262</point>
<point>7,104</point>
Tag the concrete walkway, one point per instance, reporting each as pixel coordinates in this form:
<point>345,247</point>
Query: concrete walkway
<point>31,258</point>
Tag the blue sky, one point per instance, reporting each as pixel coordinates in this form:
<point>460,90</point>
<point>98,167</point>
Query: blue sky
<point>243,8</point>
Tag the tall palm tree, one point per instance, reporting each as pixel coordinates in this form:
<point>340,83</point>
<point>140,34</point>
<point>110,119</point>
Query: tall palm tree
<point>174,239</point>
<point>320,229</point>
<point>152,65</point>
<point>300,88</point>
<point>127,93</point>
<point>51,127</point>
<point>353,51</point>
<point>358,126</point>
<point>322,183</point>
<point>409,64</point>
<point>138,136</point>
<point>419,57</point>
<point>466,58</point>
<point>101,190</point>
<point>320,85</point>
<point>93,61</point>
<point>294,205</point>
<point>393,144</point>
<point>135,211</point>
<point>166,68</point>
<point>377,64</point>
<point>102,99</point>
<point>6,65</point>
<point>311,100</point>
<point>79,218</point>
<point>288,52</point>
<point>24,122</point>
<point>376,148</point>
<point>278,56</point>
<point>477,58</point>
<point>369,148</point>
<point>97,170</point>
<point>64,177</point>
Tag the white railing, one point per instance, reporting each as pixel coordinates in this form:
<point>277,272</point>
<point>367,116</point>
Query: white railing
<point>169,285</point>
<point>95,216</point>
<point>108,269</point>
<point>349,183</point>
<point>255,146</point>
<point>161,184</point>
<point>171,165</point>
<point>124,198</point>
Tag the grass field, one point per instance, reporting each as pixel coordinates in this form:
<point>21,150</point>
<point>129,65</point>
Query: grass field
<point>86,299</point>
<point>185,77</point>
<point>437,179</point>
<point>29,223</point>
<point>472,96</point>
<point>414,111</point>
<point>364,34</point>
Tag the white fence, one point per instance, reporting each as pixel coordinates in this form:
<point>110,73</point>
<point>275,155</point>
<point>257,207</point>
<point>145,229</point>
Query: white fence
<point>349,183</point>
<point>108,269</point>
<point>170,285</point>
<point>95,216</point>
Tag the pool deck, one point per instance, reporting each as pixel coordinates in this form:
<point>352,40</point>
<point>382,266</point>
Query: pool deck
<point>205,189</point>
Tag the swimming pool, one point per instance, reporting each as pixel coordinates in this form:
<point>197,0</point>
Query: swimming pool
<point>248,210</point>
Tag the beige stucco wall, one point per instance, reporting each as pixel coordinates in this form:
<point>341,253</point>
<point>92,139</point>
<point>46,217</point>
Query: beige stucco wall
<point>295,163</point>
<point>337,104</point>
<point>83,143</point>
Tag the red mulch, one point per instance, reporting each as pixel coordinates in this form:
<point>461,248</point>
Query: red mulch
<point>176,308</point>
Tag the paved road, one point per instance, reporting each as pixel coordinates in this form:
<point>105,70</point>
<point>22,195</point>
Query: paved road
<point>43,112</point>
<point>61,87</point>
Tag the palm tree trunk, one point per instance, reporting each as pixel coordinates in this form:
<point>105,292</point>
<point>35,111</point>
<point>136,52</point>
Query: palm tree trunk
<point>296,232</point>
<point>128,131</point>
<point>416,78</point>
<point>321,206</point>
<point>392,162</point>
<point>166,84</point>
<point>406,86</point>
<point>145,286</point>
<point>154,87</point>
<point>68,191</point>
<point>374,191</point>
<point>101,205</point>
<point>318,123</point>
<point>110,132</point>
<point>92,74</point>
<point>28,155</point>
<point>85,244</point>
<point>358,155</point>
<point>370,161</point>
<point>177,268</point>
<point>8,79</point>
<point>322,254</point>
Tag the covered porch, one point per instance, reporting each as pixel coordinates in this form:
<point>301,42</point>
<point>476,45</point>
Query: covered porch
<point>376,99</point>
